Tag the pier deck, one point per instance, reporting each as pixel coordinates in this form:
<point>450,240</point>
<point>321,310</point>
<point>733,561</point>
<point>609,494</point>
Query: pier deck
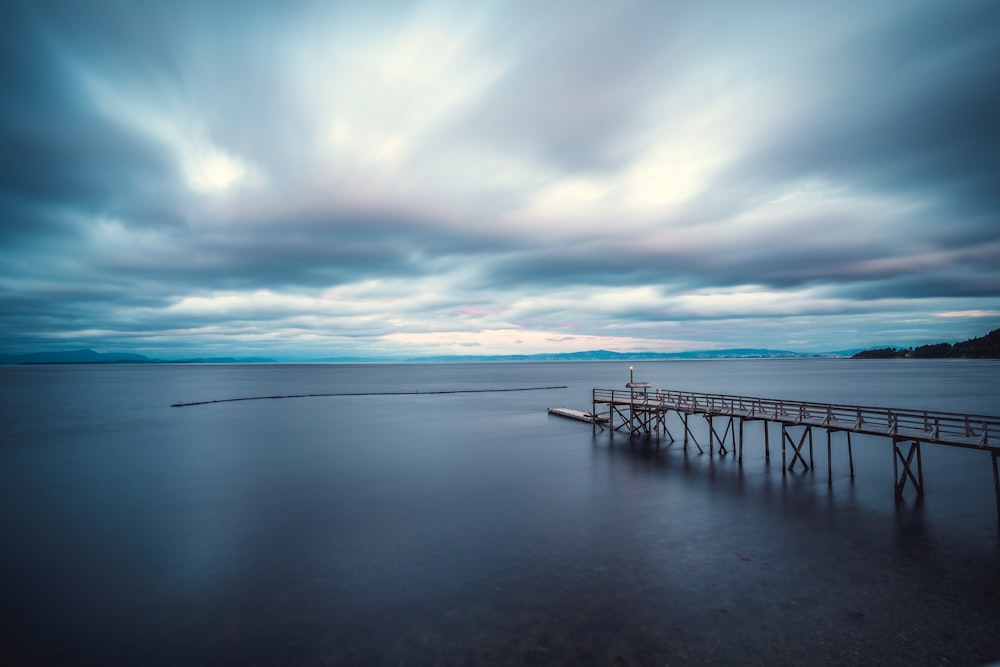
<point>643,411</point>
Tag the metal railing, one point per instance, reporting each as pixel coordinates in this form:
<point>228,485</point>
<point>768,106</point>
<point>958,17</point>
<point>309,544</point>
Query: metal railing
<point>947,428</point>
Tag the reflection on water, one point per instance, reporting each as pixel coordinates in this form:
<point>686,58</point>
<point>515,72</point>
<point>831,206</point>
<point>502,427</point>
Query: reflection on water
<point>474,529</point>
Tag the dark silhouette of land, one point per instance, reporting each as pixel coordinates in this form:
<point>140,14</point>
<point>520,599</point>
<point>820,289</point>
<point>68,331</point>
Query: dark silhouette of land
<point>985,347</point>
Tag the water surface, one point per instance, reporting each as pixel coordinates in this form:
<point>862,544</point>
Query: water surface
<point>474,529</point>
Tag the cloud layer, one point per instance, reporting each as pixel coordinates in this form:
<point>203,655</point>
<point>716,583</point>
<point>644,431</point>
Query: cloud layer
<point>421,177</point>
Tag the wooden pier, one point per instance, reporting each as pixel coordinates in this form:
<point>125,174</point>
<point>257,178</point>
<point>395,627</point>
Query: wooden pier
<point>641,411</point>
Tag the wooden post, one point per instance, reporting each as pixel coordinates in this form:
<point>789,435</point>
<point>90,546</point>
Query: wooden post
<point>631,411</point>
<point>783,438</point>
<point>850,454</point>
<point>996,481</point>
<point>611,414</point>
<point>593,410</point>
<point>767,444</point>
<point>897,489</point>
<point>829,459</point>
<point>812,463</point>
<point>920,470</point>
<point>741,442</point>
<point>711,434</point>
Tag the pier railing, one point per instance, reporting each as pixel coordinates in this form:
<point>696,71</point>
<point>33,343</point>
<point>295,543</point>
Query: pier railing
<point>947,428</point>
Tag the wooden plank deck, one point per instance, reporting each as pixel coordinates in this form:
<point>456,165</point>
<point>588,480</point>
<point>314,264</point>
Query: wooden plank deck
<point>578,415</point>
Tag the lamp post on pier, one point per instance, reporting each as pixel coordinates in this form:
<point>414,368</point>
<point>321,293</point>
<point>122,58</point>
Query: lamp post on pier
<point>638,419</point>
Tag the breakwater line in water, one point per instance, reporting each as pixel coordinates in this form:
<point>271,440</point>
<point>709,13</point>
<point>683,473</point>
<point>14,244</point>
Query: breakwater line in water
<point>365,393</point>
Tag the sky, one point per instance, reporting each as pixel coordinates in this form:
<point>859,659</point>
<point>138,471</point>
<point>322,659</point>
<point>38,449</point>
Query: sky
<point>304,180</point>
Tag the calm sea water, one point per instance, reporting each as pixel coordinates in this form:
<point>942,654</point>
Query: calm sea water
<point>474,529</point>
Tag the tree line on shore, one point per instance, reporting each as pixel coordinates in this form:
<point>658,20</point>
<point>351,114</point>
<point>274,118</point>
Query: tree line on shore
<point>984,347</point>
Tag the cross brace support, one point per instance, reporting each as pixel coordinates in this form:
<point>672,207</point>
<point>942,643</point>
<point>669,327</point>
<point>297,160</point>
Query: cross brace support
<point>796,448</point>
<point>906,475</point>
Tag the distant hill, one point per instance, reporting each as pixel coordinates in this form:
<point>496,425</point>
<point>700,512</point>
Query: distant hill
<point>985,347</point>
<point>218,360</point>
<point>608,355</point>
<point>92,357</point>
<point>74,357</point>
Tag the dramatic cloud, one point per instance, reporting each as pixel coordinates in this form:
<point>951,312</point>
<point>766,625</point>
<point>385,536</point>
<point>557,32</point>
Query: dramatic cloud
<point>394,178</point>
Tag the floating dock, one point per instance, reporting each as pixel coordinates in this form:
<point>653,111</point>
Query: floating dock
<point>642,411</point>
<point>578,415</point>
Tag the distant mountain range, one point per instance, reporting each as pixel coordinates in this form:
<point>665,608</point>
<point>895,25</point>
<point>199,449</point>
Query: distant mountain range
<point>74,357</point>
<point>92,357</point>
<point>986,347</point>
<point>608,355</point>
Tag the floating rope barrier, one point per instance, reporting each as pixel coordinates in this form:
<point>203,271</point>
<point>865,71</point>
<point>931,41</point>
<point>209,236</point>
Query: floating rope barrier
<point>363,393</point>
